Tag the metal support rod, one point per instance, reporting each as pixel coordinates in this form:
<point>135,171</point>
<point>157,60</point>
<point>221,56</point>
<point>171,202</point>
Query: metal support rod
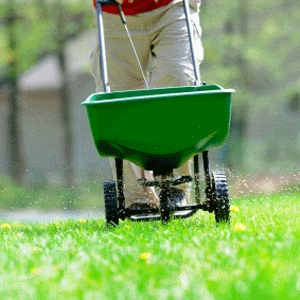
<point>103,64</point>
<point>207,174</point>
<point>120,185</point>
<point>197,178</point>
<point>188,23</point>
<point>205,163</point>
<point>164,203</point>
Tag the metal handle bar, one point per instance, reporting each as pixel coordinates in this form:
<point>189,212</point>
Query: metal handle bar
<point>103,63</point>
<point>188,23</point>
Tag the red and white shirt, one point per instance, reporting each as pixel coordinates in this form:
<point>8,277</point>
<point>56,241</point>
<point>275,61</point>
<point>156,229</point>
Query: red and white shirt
<point>133,7</point>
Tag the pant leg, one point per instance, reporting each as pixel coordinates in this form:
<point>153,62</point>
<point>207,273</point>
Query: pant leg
<point>171,54</point>
<point>122,66</point>
<point>171,59</point>
<point>124,74</point>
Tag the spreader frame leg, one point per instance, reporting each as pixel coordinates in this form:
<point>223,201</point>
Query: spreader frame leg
<point>120,187</point>
<point>207,175</point>
<point>197,179</point>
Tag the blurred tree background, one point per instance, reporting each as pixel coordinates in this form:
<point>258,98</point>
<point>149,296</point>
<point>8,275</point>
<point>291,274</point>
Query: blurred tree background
<point>29,31</point>
<point>251,46</point>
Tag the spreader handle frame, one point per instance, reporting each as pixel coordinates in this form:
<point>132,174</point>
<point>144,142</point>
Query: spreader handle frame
<point>103,62</point>
<point>189,28</point>
<point>107,89</point>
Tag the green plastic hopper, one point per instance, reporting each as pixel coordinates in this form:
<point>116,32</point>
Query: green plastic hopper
<point>159,129</point>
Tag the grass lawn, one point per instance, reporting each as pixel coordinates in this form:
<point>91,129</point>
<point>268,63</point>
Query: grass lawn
<point>256,257</point>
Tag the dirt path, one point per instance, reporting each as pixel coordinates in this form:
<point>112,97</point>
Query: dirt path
<point>47,216</point>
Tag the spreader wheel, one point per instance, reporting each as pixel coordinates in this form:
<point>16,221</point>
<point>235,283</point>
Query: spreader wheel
<point>220,198</point>
<point>111,204</point>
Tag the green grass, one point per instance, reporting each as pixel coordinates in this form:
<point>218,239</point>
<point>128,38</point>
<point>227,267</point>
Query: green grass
<point>186,259</point>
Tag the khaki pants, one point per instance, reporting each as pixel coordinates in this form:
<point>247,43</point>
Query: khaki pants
<point>161,41</point>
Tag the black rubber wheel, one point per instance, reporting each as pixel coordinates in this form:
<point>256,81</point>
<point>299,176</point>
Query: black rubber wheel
<point>220,198</point>
<point>111,204</point>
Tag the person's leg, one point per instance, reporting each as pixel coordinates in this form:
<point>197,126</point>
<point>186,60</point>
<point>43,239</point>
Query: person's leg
<point>171,53</point>
<point>124,74</point>
<point>122,66</point>
<point>171,58</point>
